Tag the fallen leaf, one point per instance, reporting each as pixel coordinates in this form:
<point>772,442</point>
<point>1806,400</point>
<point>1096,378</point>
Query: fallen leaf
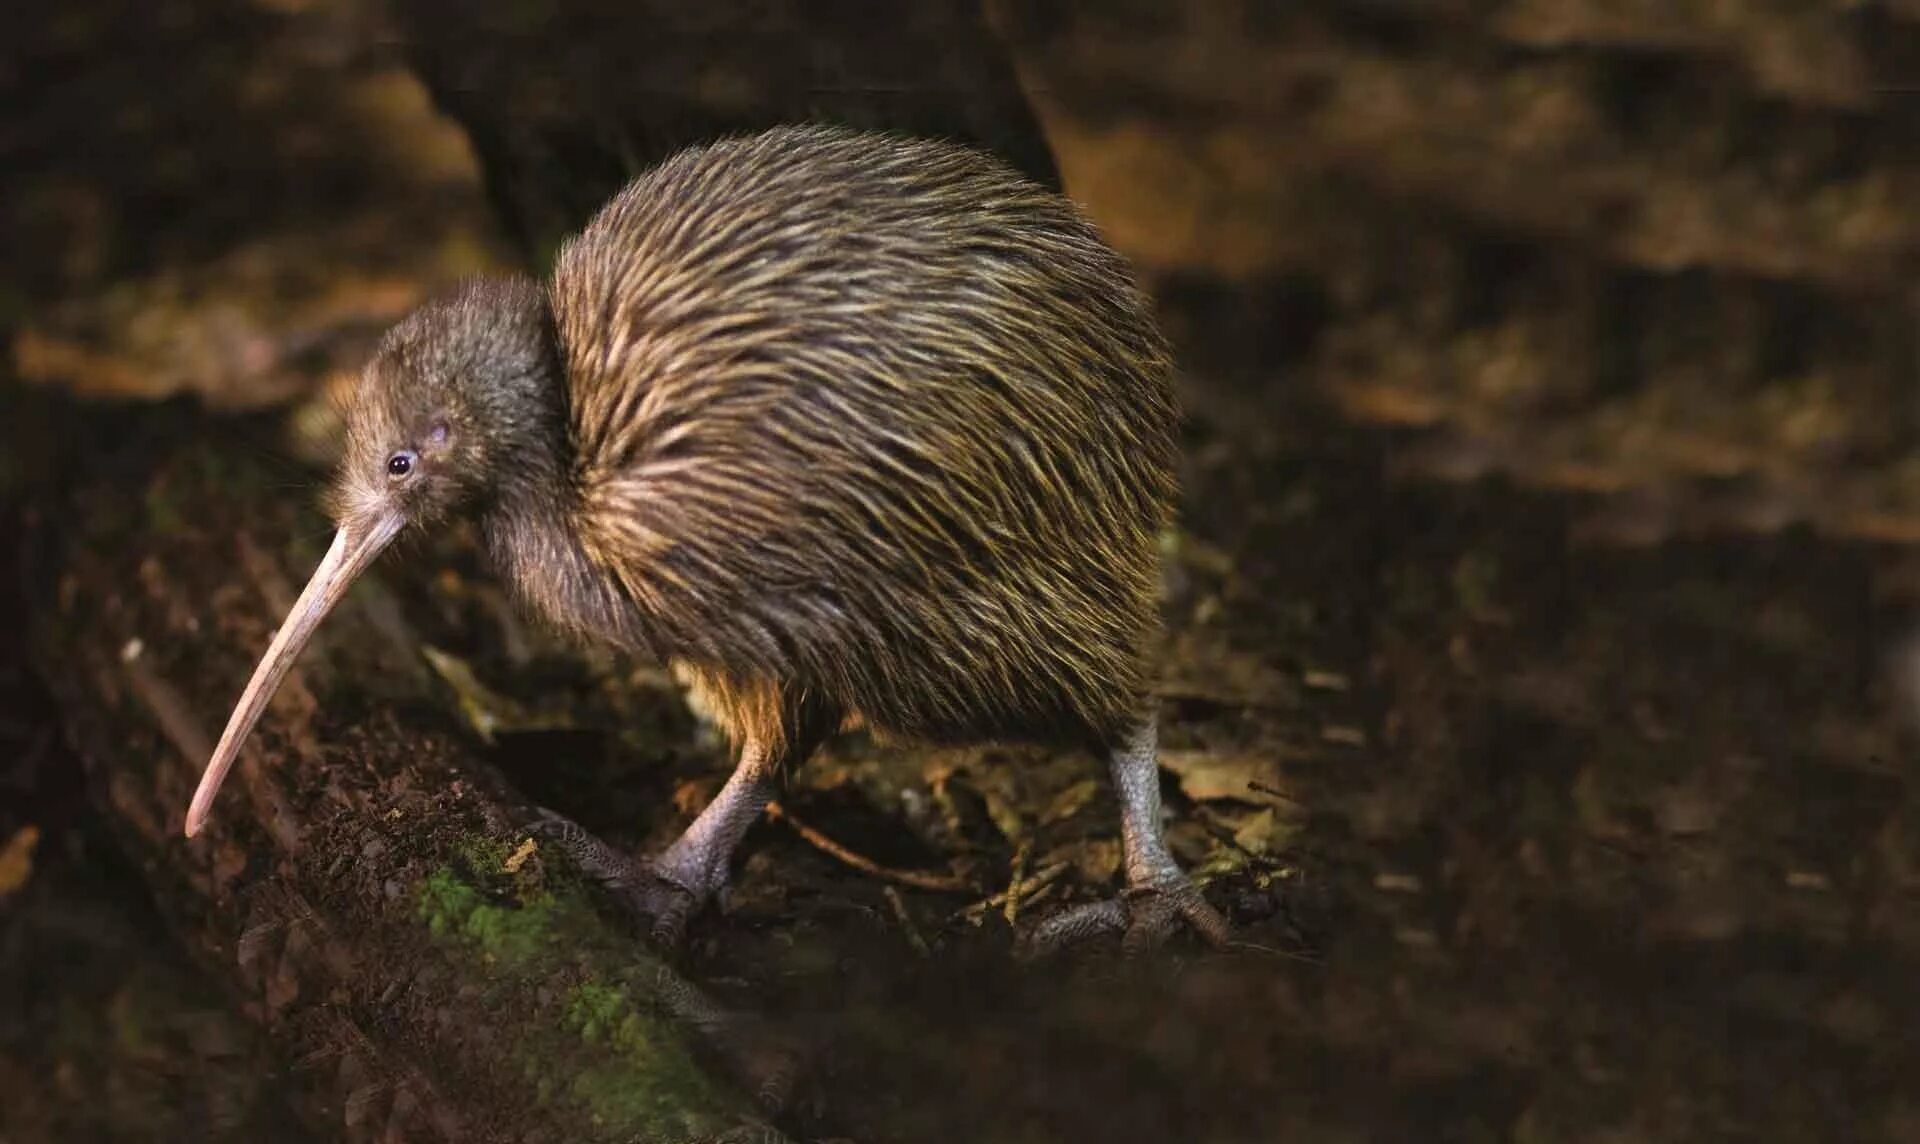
<point>487,711</point>
<point>519,857</point>
<point>16,860</point>
<point>1199,668</point>
<point>1326,680</point>
<point>1069,802</point>
<point>1265,832</point>
<point>1345,736</point>
<point>1194,552</point>
<point>1005,814</point>
<point>691,796</point>
<point>1221,862</point>
<point>1209,775</point>
<point>1096,860</point>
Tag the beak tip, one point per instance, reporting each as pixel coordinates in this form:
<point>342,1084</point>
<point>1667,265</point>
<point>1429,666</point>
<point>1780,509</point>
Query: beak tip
<point>196,819</point>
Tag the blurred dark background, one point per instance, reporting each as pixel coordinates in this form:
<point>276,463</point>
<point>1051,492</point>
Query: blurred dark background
<point>1544,651</point>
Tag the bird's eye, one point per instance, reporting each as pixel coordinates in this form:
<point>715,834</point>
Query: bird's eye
<point>400,464</point>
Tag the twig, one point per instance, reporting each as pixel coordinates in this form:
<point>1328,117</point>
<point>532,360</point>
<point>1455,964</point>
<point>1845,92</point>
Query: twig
<point>1029,891</point>
<point>1017,875</point>
<point>1273,951</point>
<point>918,879</point>
<point>1272,791</point>
<point>905,919</point>
<point>167,706</point>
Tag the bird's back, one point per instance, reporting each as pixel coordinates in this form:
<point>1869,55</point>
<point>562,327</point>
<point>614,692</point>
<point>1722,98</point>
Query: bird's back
<point>874,419</point>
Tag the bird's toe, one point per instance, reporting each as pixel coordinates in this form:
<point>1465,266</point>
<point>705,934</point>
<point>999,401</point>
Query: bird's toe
<point>649,889</point>
<point>1074,927</point>
<point>1145,916</point>
<point>663,905</point>
<point>594,858</point>
<point>1155,912</point>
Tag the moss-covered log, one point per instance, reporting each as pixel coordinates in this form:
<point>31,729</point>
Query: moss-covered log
<point>426,969</point>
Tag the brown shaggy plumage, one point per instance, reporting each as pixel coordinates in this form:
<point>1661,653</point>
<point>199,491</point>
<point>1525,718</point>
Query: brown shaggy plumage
<point>848,426</point>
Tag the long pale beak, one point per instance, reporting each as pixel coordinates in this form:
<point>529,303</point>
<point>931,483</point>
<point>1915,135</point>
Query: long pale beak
<point>354,547</point>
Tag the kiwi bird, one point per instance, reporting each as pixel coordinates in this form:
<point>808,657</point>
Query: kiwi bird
<point>849,428</point>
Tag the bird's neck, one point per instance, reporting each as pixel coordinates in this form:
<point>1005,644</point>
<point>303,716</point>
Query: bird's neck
<point>530,527</point>
<point>535,547</point>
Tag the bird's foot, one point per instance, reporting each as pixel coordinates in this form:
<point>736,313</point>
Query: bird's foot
<point>1146,914</point>
<point>768,1061</point>
<point>660,892</point>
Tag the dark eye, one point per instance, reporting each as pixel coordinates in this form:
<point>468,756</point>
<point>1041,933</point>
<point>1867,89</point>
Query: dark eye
<point>400,464</point>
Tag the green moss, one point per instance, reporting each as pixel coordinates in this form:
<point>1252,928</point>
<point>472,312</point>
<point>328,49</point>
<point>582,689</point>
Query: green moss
<point>513,916</point>
<point>484,852</point>
<point>653,1085</point>
<point>640,1102</point>
<point>592,1009</point>
<point>509,935</point>
<point>623,1066</point>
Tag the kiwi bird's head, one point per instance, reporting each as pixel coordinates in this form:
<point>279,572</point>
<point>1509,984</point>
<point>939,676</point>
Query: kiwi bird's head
<point>442,415</point>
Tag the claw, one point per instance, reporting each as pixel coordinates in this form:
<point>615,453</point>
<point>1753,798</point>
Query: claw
<point>666,905</point>
<point>1146,916</point>
<point>595,858</point>
<point>1158,911</point>
<point>660,902</point>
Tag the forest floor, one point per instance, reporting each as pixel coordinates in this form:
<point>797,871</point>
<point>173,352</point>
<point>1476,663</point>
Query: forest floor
<point>1527,836</point>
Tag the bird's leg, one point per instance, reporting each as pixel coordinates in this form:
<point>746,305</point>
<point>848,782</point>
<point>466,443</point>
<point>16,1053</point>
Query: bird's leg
<point>1159,895</point>
<point>697,861</point>
<point>667,889</point>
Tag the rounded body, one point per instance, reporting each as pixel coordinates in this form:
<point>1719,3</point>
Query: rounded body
<point>871,428</point>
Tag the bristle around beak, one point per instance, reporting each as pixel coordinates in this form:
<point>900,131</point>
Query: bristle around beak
<point>354,548</point>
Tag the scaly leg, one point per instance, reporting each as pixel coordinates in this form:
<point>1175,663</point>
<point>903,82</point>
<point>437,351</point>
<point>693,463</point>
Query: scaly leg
<point>669,888</point>
<point>1158,895</point>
